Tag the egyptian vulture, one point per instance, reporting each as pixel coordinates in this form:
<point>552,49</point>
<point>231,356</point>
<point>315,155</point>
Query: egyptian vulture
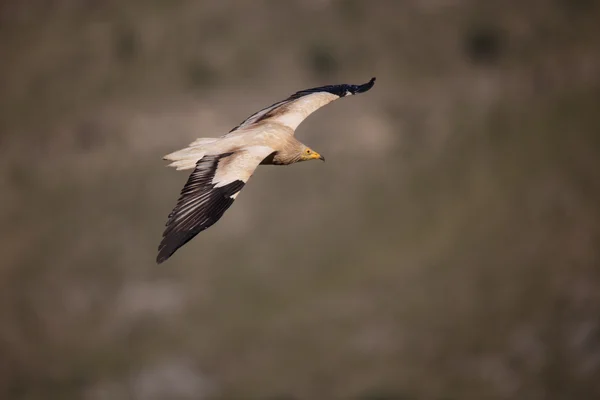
<point>223,165</point>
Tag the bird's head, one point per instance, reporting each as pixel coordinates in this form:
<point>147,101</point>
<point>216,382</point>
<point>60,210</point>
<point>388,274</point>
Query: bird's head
<point>309,154</point>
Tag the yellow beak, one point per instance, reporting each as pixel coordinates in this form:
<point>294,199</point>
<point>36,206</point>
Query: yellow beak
<point>316,156</point>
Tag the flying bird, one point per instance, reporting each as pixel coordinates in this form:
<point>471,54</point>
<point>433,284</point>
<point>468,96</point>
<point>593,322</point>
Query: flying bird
<point>223,165</point>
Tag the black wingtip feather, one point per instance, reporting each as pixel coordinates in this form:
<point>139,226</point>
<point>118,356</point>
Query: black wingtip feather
<point>338,90</point>
<point>172,243</point>
<point>364,87</point>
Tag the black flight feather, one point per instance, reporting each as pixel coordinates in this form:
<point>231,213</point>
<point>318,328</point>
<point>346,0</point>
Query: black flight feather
<point>338,90</point>
<point>200,205</point>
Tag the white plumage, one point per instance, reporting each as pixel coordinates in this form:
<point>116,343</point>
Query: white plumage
<point>223,165</point>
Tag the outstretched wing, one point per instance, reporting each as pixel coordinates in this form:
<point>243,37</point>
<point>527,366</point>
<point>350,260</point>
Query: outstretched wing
<point>293,110</point>
<point>208,193</point>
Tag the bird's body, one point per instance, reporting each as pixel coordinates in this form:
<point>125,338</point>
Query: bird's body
<point>280,138</point>
<point>223,165</point>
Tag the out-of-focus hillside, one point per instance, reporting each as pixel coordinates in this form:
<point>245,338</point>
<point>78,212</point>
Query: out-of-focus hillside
<point>449,248</point>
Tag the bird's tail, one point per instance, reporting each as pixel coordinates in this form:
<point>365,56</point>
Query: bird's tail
<point>188,157</point>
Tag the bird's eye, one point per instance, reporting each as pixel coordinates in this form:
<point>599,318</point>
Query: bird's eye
<point>308,151</point>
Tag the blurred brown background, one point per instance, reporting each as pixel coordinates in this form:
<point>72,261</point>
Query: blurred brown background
<point>449,248</point>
